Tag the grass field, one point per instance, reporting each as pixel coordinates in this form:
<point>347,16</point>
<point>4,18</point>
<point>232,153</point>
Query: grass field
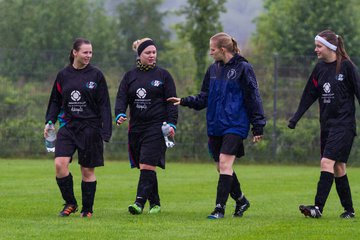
<point>30,201</point>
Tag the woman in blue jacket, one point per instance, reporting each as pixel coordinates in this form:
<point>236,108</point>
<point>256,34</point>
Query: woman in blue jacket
<point>230,93</point>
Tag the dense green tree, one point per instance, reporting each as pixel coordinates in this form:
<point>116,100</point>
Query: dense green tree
<point>201,22</point>
<point>36,36</point>
<point>289,27</point>
<point>139,19</point>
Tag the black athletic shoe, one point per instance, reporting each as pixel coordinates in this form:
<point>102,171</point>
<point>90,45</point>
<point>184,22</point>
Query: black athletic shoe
<point>68,209</point>
<point>347,214</point>
<point>241,208</point>
<point>216,214</point>
<point>310,211</point>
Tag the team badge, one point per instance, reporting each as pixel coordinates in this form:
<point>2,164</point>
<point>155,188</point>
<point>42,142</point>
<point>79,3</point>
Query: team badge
<point>231,74</point>
<point>156,83</point>
<point>340,77</point>
<point>91,85</point>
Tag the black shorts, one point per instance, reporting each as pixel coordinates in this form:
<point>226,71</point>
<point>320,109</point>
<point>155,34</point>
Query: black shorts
<point>147,147</point>
<point>336,144</point>
<point>230,144</point>
<point>86,140</point>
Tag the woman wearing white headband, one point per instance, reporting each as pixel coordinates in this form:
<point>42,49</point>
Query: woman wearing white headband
<point>334,82</point>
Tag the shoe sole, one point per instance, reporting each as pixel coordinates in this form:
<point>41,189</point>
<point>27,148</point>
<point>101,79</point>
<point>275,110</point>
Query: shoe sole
<point>214,218</point>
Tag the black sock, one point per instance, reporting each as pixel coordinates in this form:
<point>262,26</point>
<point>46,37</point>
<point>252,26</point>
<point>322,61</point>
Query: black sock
<point>154,198</point>
<point>344,192</point>
<point>67,189</point>
<point>223,190</point>
<point>88,190</point>
<point>145,186</point>
<point>235,192</point>
<point>323,189</point>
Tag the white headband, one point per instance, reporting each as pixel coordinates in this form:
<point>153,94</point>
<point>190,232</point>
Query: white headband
<point>326,43</point>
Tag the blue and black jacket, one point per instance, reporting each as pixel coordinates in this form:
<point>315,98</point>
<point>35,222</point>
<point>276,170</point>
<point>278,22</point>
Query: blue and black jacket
<point>230,93</point>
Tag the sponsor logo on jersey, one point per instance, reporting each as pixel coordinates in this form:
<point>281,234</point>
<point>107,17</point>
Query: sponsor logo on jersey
<point>91,85</point>
<point>231,74</point>
<point>141,93</point>
<point>156,83</point>
<point>75,95</point>
<point>327,87</point>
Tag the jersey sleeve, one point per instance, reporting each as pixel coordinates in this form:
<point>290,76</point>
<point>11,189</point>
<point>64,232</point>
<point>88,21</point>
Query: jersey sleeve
<point>55,101</point>
<point>252,101</point>
<point>121,101</point>
<point>309,96</point>
<point>354,77</point>
<point>170,91</point>
<point>105,108</point>
<point>199,101</point>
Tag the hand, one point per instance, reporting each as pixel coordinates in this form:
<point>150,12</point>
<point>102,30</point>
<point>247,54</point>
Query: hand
<point>46,131</point>
<point>121,120</point>
<point>172,132</point>
<point>291,125</point>
<point>174,100</point>
<point>257,139</point>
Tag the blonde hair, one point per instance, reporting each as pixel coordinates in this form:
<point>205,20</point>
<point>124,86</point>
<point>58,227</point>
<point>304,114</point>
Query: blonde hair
<point>224,40</point>
<point>137,43</point>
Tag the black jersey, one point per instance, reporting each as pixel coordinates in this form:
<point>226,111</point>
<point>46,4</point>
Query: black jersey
<point>146,92</point>
<point>81,95</point>
<point>335,94</point>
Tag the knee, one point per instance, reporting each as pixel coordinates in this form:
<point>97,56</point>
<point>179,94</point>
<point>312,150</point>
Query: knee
<point>225,168</point>
<point>340,169</point>
<point>327,165</point>
<point>61,167</point>
<point>88,174</point>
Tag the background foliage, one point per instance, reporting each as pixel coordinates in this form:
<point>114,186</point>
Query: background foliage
<point>36,38</point>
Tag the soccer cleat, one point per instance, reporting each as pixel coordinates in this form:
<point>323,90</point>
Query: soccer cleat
<point>135,209</point>
<point>155,209</point>
<point>310,211</point>
<point>68,209</point>
<point>216,214</point>
<point>86,214</point>
<point>347,214</point>
<point>241,208</point>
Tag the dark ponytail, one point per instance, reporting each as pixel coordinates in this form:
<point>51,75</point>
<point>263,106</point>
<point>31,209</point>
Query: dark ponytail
<point>76,46</point>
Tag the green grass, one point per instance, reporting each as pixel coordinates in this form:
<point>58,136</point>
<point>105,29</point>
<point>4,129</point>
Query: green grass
<point>30,201</point>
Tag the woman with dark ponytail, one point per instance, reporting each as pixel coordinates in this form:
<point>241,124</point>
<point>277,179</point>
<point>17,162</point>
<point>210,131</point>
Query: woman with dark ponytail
<point>334,82</point>
<point>230,93</point>
<point>80,101</point>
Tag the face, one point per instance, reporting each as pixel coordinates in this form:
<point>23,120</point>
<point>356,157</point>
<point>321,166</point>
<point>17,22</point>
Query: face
<point>148,56</point>
<point>216,53</point>
<point>83,56</point>
<point>323,52</point>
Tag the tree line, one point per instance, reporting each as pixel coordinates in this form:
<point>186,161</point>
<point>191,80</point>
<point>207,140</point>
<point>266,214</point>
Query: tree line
<point>36,38</point>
